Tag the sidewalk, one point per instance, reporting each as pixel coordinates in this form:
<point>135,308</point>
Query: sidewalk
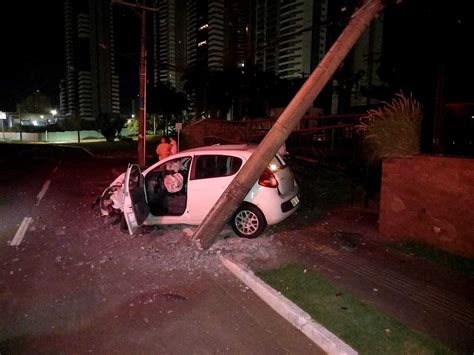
<point>347,249</point>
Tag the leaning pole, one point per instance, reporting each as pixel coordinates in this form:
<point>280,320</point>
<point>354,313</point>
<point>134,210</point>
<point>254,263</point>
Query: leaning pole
<point>235,193</point>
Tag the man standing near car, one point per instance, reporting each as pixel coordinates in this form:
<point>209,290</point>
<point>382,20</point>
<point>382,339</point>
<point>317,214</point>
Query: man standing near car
<point>163,149</point>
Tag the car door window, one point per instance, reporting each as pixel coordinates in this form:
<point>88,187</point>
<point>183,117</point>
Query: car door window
<point>213,166</point>
<point>166,187</point>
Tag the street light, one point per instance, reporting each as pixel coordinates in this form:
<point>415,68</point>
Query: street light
<point>53,113</point>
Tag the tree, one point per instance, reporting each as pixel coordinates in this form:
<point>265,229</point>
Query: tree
<point>164,100</point>
<point>109,125</point>
<point>247,90</point>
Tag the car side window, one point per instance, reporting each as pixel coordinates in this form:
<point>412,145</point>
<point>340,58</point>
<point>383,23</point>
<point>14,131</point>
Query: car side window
<point>156,179</point>
<point>213,166</point>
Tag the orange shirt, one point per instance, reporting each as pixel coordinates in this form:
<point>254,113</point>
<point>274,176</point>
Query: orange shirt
<point>163,150</point>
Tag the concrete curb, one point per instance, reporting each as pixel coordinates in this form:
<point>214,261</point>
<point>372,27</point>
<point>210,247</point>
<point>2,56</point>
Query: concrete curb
<point>322,337</point>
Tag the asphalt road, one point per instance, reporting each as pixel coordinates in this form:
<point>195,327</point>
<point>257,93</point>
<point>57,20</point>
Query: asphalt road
<point>77,284</point>
<point>25,172</point>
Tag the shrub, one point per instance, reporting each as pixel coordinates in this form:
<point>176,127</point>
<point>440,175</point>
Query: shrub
<point>109,125</point>
<point>393,130</point>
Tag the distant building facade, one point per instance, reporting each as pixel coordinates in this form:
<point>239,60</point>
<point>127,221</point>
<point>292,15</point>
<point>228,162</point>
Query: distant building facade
<point>169,43</point>
<point>286,37</point>
<point>91,87</point>
<point>283,36</point>
<point>239,46</point>
<point>293,36</point>
<point>205,34</point>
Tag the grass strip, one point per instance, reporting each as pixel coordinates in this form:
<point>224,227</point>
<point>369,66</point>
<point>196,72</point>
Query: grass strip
<point>358,324</point>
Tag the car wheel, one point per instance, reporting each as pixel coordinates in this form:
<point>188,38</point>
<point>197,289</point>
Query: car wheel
<point>248,221</point>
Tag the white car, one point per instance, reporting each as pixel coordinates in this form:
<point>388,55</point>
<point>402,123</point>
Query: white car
<point>182,189</point>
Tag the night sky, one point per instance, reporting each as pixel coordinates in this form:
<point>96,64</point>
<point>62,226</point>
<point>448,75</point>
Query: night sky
<point>31,50</point>
<point>428,37</point>
<point>33,53</point>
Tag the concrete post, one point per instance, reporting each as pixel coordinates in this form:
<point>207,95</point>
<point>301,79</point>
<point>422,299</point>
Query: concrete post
<point>142,95</point>
<point>141,12</point>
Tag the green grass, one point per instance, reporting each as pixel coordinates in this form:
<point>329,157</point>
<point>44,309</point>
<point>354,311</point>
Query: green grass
<point>454,262</point>
<point>358,324</point>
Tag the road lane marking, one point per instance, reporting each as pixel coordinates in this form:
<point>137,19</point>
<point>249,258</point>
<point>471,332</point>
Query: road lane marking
<point>43,191</point>
<point>57,166</point>
<point>20,233</point>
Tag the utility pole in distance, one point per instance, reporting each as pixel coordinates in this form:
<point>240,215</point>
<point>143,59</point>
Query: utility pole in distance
<point>141,10</point>
<point>243,182</point>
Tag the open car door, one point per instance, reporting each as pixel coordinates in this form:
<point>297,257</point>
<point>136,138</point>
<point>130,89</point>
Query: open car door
<point>135,205</point>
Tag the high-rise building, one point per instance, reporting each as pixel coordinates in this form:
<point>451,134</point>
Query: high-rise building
<point>267,33</point>
<point>283,36</point>
<point>205,34</point>
<point>294,50</point>
<point>286,37</point>
<point>169,43</point>
<point>92,86</point>
<point>319,32</point>
<point>293,36</point>
<point>238,29</point>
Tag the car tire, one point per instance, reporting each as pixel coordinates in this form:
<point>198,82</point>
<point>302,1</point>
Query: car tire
<point>248,221</point>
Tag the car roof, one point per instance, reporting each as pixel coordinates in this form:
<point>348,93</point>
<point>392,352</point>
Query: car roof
<point>242,149</point>
<point>224,147</point>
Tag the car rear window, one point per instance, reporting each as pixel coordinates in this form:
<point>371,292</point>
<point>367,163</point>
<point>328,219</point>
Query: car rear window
<point>212,166</point>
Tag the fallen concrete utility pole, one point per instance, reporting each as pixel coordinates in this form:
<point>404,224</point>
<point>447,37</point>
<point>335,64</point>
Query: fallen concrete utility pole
<point>235,193</point>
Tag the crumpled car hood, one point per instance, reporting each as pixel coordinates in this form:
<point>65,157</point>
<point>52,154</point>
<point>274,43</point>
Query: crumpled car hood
<point>111,200</point>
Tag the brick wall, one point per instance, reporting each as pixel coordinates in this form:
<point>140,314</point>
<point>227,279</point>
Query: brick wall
<point>431,199</point>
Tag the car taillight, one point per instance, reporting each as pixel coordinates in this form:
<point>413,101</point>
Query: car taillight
<point>267,179</point>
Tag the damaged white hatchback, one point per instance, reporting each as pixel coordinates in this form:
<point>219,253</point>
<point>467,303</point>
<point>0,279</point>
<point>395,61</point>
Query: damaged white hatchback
<point>182,189</point>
